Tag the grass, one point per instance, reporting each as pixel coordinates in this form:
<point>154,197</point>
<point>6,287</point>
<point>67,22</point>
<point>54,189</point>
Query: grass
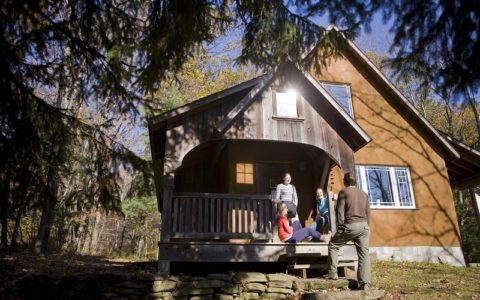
<point>410,280</point>
<point>400,280</point>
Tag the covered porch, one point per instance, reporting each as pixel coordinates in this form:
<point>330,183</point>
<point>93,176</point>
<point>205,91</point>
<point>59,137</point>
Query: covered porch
<point>218,160</point>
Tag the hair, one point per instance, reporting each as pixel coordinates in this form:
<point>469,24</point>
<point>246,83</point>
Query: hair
<point>280,207</point>
<point>349,179</point>
<point>285,175</point>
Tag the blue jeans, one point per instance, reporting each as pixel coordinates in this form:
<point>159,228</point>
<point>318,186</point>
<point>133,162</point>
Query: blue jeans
<point>299,233</point>
<point>320,221</point>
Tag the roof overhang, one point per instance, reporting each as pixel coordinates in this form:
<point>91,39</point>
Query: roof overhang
<point>464,171</point>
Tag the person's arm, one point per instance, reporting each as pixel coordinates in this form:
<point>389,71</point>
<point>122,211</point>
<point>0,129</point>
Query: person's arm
<point>284,223</point>
<point>340,209</point>
<point>277,193</point>
<point>294,196</point>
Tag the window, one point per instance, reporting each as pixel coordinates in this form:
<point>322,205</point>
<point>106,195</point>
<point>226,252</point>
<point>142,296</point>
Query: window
<point>341,94</point>
<point>286,104</point>
<point>387,187</point>
<point>245,173</point>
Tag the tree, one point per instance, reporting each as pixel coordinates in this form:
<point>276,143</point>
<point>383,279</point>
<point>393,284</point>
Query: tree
<point>59,57</point>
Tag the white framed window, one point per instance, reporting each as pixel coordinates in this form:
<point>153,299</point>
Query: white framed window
<point>286,104</point>
<point>387,187</point>
<point>341,93</point>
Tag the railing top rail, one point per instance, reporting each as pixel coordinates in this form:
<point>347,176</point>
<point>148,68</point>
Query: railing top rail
<point>222,196</point>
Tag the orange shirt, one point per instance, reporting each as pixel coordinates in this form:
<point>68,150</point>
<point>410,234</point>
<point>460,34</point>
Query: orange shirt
<point>285,231</point>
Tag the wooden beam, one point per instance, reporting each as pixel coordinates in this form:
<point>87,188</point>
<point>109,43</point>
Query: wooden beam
<point>466,182</point>
<point>224,124</point>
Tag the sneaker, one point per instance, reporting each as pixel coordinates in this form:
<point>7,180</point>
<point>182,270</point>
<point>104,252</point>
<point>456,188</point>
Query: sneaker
<point>365,287</point>
<point>331,276</point>
<point>326,237</point>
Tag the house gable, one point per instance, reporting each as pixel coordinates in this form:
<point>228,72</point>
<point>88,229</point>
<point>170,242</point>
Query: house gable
<point>399,139</point>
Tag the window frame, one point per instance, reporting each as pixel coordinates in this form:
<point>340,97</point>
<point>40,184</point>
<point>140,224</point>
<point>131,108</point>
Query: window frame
<point>244,173</point>
<point>361,173</point>
<point>351,113</point>
<point>298,105</point>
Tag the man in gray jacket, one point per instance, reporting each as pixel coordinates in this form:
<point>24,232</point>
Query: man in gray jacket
<point>353,218</point>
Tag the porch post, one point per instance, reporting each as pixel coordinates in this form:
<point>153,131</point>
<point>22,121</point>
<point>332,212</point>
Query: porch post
<point>332,214</point>
<point>167,208</point>
<point>475,204</point>
<point>163,264</point>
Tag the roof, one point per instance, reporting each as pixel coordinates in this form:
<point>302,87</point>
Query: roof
<point>205,100</point>
<point>407,105</point>
<point>355,136</point>
<point>464,171</point>
<point>256,85</point>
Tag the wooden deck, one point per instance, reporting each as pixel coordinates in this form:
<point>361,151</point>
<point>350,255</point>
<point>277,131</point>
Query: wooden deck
<point>208,227</point>
<point>251,252</point>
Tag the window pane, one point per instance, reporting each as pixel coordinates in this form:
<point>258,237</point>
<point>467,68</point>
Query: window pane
<point>379,187</point>
<point>240,167</point>
<point>403,185</point>
<point>249,168</point>
<point>249,178</point>
<point>240,178</point>
<point>341,94</point>
<point>286,104</point>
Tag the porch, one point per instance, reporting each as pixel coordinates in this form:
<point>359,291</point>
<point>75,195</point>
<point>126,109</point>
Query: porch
<point>214,227</point>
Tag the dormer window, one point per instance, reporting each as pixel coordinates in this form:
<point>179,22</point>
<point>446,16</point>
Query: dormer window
<point>286,103</point>
<point>341,94</point>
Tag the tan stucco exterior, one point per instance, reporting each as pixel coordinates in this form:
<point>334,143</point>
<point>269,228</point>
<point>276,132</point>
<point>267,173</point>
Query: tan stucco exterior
<point>397,141</point>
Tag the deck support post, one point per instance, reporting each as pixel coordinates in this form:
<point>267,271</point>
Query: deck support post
<point>163,267</point>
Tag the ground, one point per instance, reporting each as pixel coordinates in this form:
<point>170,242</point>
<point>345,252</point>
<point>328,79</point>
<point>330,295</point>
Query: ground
<point>400,280</point>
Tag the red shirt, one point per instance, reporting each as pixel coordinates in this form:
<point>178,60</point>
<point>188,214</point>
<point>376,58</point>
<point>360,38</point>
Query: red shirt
<point>285,231</point>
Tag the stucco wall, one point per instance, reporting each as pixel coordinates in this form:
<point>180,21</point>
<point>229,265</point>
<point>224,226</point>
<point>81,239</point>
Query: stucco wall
<point>397,141</point>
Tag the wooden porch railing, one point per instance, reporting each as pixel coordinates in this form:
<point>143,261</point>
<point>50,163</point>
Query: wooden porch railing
<point>222,216</point>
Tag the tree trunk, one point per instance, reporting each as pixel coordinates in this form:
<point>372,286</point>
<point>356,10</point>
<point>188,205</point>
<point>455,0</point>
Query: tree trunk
<point>4,209</point>
<point>48,213</point>
<point>20,198</point>
<point>473,105</point>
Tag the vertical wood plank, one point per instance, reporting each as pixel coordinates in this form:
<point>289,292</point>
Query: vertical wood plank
<point>211,203</point>
<point>238,216</point>
<point>200,213</point>
<point>188,215</point>
<point>331,212</point>
<point>226,214</point>
<point>261,224</point>
<point>218,224</point>
<point>248,222</point>
<point>175,215</point>
<point>181,217</point>
<point>255,215</point>
<point>166,215</point>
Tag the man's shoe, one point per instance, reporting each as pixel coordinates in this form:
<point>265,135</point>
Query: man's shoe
<point>331,276</point>
<point>365,287</point>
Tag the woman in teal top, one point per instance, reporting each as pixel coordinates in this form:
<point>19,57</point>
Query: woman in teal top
<point>322,211</point>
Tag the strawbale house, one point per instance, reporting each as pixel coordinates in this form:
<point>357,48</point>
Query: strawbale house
<point>217,162</point>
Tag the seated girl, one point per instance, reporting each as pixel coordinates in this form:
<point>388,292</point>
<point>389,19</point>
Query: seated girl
<point>294,233</point>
